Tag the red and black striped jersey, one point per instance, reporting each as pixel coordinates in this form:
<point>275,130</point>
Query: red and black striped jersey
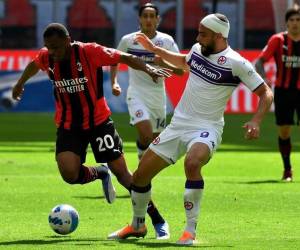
<point>286,53</point>
<point>78,84</point>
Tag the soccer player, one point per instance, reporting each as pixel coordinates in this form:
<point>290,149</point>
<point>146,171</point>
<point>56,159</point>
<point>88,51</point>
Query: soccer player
<point>82,114</point>
<point>146,101</point>
<point>197,124</point>
<point>285,48</point>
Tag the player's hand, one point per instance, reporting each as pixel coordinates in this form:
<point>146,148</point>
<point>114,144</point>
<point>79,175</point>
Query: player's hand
<point>155,73</point>
<point>116,89</point>
<point>142,39</point>
<point>252,130</point>
<point>17,91</point>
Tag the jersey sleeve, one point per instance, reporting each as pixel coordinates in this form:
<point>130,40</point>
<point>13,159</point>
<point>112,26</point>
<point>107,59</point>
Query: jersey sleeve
<point>270,49</point>
<point>41,59</point>
<point>101,55</point>
<point>247,74</point>
<point>122,46</point>
<point>173,46</point>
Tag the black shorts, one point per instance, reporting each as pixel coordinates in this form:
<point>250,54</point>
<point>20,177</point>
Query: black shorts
<point>104,140</point>
<point>287,102</point>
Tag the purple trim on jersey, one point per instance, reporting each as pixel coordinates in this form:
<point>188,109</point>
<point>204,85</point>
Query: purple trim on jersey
<point>147,57</point>
<point>212,73</point>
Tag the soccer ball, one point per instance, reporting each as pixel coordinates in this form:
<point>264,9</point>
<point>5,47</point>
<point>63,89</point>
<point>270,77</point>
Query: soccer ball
<point>63,219</point>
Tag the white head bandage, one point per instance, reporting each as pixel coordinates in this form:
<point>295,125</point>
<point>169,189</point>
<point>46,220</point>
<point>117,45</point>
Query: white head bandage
<point>215,24</point>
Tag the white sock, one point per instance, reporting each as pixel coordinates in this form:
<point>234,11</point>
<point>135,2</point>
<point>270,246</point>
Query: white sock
<point>192,198</point>
<point>140,203</point>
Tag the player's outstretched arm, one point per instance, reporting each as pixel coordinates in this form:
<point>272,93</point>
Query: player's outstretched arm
<point>30,70</point>
<point>115,87</point>
<point>265,100</point>
<point>136,63</point>
<point>176,59</point>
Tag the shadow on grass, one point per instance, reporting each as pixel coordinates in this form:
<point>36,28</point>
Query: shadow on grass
<point>99,197</point>
<point>51,240</point>
<point>257,182</point>
<point>89,242</point>
<point>173,245</point>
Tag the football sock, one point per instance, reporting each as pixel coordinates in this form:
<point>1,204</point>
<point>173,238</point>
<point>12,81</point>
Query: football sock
<point>89,174</point>
<point>153,212</point>
<point>192,197</point>
<point>285,148</point>
<point>140,197</point>
<point>155,216</point>
<point>141,149</point>
<point>86,174</point>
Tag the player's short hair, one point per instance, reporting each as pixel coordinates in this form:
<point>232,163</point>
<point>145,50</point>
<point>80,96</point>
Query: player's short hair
<point>292,11</point>
<point>148,5</point>
<point>56,29</point>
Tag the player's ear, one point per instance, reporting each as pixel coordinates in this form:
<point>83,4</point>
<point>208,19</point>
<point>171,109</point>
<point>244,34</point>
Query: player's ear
<point>158,20</point>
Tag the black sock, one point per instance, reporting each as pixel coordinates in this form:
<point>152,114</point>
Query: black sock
<point>285,148</point>
<point>155,216</point>
<point>141,146</point>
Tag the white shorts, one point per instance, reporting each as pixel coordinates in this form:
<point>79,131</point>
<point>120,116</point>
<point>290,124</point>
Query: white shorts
<point>173,142</point>
<point>138,112</point>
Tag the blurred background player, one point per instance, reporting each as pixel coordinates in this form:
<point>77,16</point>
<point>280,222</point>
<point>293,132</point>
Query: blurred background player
<point>197,124</point>
<point>82,114</point>
<point>284,47</point>
<point>146,100</point>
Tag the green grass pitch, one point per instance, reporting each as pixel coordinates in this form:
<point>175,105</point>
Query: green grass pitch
<point>245,206</point>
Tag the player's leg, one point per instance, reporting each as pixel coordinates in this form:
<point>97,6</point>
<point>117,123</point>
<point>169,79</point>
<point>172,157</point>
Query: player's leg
<point>285,148</point>
<point>70,155</point>
<point>195,159</point>
<point>284,114</point>
<point>145,136</point>
<point>200,148</point>
<point>149,166</point>
<point>120,170</point>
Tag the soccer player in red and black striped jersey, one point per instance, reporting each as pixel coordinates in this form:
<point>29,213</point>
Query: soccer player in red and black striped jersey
<point>284,47</point>
<point>82,115</point>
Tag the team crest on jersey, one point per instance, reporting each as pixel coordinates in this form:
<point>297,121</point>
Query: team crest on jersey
<point>79,66</point>
<point>139,113</point>
<point>156,140</point>
<point>188,205</point>
<point>222,60</point>
<point>159,43</point>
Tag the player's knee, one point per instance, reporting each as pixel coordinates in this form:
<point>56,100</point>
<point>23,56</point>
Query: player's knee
<point>194,165</point>
<point>140,179</point>
<point>70,179</point>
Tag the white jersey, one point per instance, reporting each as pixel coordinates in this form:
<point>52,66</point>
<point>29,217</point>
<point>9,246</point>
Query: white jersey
<point>209,86</point>
<point>140,83</point>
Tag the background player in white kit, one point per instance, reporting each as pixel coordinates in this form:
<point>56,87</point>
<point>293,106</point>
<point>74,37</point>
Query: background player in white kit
<point>146,100</point>
<point>197,124</point>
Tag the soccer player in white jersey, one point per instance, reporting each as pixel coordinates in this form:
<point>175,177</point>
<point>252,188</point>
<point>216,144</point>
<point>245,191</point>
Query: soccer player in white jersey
<point>197,123</point>
<point>146,100</point>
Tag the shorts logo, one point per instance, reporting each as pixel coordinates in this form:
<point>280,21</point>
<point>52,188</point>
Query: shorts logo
<point>156,140</point>
<point>188,205</point>
<point>139,113</point>
<point>204,134</point>
<point>222,60</point>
